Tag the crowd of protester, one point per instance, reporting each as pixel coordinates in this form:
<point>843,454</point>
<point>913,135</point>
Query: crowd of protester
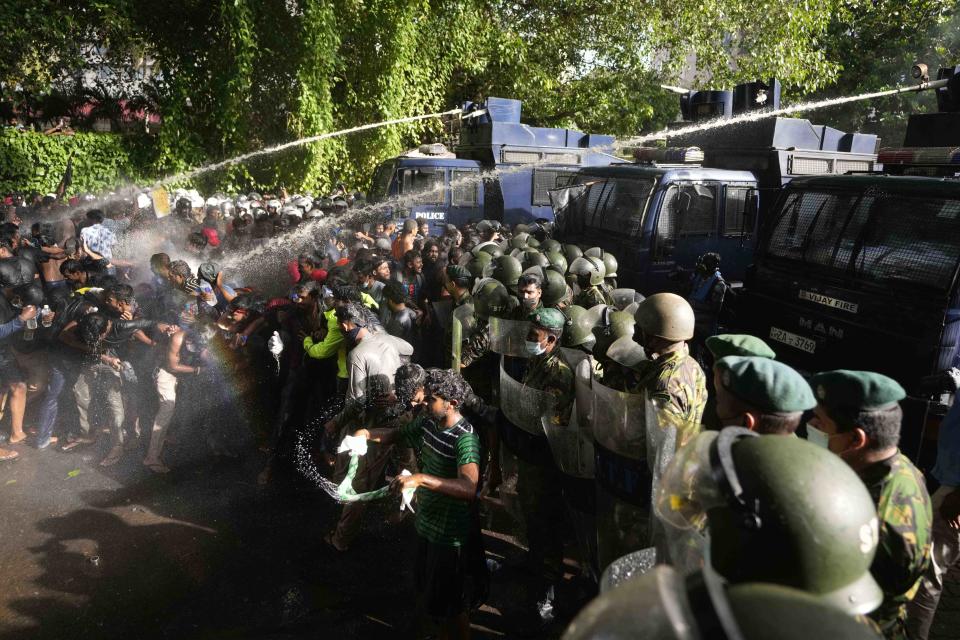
<point>234,323</point>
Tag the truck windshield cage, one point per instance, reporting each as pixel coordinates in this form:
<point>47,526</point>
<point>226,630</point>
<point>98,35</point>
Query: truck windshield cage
<point>865,234</point>
<point>609,204</point>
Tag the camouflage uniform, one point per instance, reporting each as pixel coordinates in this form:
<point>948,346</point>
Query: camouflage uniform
<point>677,382</point>
<point>906,517</point>
<point>550,373</point>
<point>539,484</point>
<point>477,345</point>
<point>591,297</point>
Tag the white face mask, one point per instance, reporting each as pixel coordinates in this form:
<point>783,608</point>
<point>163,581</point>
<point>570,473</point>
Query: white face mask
<point>817,437</point>
<point>534,348</point>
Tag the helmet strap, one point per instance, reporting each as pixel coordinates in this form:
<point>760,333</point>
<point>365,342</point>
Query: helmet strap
<point>724,471</point>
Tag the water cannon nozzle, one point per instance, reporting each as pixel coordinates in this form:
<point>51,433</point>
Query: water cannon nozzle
<point>921,72</point>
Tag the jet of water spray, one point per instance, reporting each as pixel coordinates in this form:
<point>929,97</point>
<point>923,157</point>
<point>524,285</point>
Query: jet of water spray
<point>193,173</point>
<point>133,189</point>
<point>752,116</point>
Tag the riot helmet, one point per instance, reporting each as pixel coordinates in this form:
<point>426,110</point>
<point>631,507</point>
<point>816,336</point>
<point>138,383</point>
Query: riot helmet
<point>491,298</point>
<point>586,271</point>
<point>519,241</point>
<point>491,249</point>
<point>579,328</point>
<point>505,269</point>
<point>666,316</point>
<point>549,245</point>
<point>571,252</point>
<point>610,263</point>
<point>533,258</point>
<point>557,261</point>
<point>778,510</point>
<point>478,264</point>
<point>663,605</point>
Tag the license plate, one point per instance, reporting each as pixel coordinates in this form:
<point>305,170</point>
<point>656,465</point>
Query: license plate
<point>797,342</point>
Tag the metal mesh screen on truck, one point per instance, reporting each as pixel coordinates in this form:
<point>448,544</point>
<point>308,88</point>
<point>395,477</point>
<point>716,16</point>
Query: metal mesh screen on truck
<point>887,237</point>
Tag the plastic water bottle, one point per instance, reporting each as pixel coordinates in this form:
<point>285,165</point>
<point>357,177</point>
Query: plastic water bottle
<point>46,316</point>
<point>30,328</point>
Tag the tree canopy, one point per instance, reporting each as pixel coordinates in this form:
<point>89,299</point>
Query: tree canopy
<point>231,76</point>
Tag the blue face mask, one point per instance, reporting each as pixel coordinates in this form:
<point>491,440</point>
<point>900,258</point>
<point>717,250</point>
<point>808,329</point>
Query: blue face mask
<point>534,348</point>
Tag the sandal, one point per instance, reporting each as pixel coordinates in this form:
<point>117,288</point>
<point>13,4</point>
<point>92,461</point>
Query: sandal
<point>73,444</point>
<point>7,454</point>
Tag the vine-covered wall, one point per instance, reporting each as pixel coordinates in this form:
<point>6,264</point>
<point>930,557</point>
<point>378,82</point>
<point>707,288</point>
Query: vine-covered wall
<point>31,161</point>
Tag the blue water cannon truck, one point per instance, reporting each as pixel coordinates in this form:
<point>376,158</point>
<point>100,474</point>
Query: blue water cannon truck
<point>707,191</point>
<point>501,169</point>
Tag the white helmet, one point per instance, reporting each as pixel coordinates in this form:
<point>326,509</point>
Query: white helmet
<point>296,212</point>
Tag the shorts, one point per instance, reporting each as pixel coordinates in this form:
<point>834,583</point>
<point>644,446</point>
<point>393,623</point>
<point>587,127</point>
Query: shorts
<point>10,371</point>
<point>441,576</point>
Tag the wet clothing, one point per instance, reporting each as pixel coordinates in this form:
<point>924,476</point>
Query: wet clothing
<point>676,381</point>
<point>16,271</point>
<point>906,517</point>
<point>402,324</point>
<point>442,519</point>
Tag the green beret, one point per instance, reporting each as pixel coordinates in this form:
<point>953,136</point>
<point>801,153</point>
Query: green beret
<point>766,384</point>
<point>455,271</point>
<point>738,344</point>
<point>548,318</point>
<point>856,390</point>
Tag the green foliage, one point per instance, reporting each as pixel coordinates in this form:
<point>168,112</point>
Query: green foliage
<point>233,76</point>
<point>877,43</point>
<point>101,161</point>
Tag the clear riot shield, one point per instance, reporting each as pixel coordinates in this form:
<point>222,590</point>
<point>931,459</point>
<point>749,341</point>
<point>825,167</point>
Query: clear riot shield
<point>443,312</point>
<point>521,434</point>
<point>686,490</point>
<point>572,449</point>
<point>632,565</point>
<point>522,405</point>
<point>622,298</point>
<point>508,337</point>
<point>462,324</point>
<point>623,476</point>
<point>682,488</point>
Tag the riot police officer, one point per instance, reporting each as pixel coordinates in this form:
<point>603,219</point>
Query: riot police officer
<point>858,417</point>
<point>664,324</point>
<point>766,522</point>
<point>589,274</point>
<point>538,480</point>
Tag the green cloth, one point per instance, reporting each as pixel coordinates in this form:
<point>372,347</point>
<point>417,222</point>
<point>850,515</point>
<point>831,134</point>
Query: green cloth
<point>738,344</point>
<point>856,390</point>
<point>766,384</point>
<point>442,519</point>
<point>345,491</point>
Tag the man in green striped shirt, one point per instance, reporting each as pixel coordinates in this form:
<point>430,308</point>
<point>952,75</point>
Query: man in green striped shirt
<point>448,553</point>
